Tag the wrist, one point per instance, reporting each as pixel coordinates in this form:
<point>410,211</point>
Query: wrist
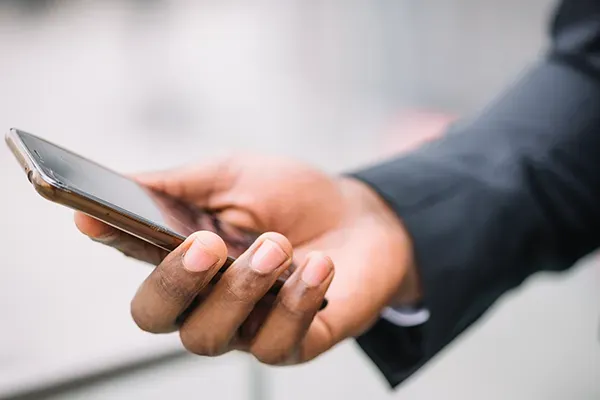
<point>366,202</point>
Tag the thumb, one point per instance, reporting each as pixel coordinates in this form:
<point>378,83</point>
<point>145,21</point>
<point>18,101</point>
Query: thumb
<point>196,183</point>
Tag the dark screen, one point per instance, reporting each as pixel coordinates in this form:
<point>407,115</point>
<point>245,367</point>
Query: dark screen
<point>100,183</point>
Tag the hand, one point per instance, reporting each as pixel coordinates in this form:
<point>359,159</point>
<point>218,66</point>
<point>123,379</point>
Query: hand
<point>320,220</point>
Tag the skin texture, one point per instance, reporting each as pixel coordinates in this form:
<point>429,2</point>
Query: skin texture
<point>321,222</point>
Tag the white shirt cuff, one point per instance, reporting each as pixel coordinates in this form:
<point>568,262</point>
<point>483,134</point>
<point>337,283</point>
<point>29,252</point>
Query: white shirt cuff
<point>405,317</point>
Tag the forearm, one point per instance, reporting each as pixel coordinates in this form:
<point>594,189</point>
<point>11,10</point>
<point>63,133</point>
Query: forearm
<point>512,192</point>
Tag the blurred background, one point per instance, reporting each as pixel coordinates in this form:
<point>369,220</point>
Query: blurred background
<point>152,84</point>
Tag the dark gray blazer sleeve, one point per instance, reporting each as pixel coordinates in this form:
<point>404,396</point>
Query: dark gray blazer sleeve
<point>513,191</point>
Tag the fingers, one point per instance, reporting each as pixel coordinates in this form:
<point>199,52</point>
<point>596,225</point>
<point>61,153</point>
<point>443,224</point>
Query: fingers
<point>212,327</point>
<point>237,311</point>
<point>125,243</point>
<point>281,335</point>
<point>176,282</point>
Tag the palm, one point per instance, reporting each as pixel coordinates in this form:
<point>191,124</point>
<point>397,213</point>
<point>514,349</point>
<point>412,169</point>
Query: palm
<point>316,212</point>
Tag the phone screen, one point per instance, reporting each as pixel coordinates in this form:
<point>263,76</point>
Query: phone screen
<point>79,174</point>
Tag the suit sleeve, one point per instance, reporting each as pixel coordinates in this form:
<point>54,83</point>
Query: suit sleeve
<point>513,191</point>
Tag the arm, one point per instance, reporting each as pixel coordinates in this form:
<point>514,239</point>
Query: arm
<point>513,191</point>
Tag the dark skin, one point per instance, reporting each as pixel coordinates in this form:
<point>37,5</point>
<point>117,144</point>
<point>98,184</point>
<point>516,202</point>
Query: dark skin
<point>322,221</point>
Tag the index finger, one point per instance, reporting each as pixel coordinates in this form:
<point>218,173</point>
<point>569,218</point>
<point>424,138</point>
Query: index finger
<point>92,227</point>
<point>127,244</point>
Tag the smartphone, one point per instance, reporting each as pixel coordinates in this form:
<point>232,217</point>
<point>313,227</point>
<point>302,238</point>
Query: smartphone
<point>66,178</point>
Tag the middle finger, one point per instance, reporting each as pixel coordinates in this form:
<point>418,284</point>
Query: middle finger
<point>211,328</point>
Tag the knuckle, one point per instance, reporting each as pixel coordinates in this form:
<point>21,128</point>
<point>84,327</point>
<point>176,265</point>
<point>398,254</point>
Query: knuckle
<point>228,172</point>
<point>292,309</point>
<point>238,293</point>
<point>169,288</point>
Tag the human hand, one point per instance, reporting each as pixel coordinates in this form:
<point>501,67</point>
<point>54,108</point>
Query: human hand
<point>320,220</point>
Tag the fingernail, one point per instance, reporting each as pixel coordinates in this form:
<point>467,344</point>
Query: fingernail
<point>198,258</point>
<point>268,257</point>
<point>316,271</point>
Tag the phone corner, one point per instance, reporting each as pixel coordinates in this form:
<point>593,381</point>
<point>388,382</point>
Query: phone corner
<point>44,188</point>
<point>9,138</point>
<point>11,135</point>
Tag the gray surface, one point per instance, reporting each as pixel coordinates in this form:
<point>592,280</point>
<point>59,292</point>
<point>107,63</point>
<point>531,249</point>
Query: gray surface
<point>144,87</point>
<point>188,378</point>
<point>99,376</point>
